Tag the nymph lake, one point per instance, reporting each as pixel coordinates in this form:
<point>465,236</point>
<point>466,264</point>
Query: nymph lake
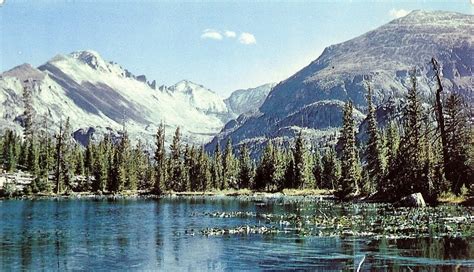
<point>231,233</point>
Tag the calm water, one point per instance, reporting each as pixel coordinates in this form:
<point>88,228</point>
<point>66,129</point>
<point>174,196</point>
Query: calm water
<point>154,235</point>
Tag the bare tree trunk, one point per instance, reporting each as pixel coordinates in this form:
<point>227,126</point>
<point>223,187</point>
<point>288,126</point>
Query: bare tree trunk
<point>439,111</point>
<point>58,157</point>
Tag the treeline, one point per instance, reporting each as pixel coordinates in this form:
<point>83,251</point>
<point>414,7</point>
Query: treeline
<point>409,155</point>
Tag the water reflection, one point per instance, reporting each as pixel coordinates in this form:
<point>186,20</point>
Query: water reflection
<point>150,235</point>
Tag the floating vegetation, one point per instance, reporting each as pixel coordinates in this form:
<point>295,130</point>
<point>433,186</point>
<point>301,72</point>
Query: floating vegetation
<point>328,218</point>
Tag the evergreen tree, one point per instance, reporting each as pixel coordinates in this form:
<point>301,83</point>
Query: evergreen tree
<point>302,166</point>
<point>160,160</point>
<point>245,168</point>
<point>187,167</point>
<point>459,133</point>
<point>140,157</point>
<point>229,173</point>
<point>317,169</point>
<point>216,171</point>
<point>32,164</point>
<point>373,152</point>
<point>120,174</point>
<point>203,171</point>
<point>11,149</point>
<point>392,141</point>
<point>406,172</point>
<point>100,169</point>
<point>349,160</point>
<point>89,162</point>
<point>176,168</point>
<point>279,158</point>
<point>331,169</point>
<point>67,155</point>
<point>265,172</point>
<point>289,176</point>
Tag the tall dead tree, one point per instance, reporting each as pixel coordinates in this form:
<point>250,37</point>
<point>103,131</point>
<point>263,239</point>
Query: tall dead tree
<point>59,139</point>
<point>439,110</point>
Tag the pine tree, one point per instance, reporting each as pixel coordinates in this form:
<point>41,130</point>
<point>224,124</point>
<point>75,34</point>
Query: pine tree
<point>216,171</point>
<point>89,161</point>
<point>66,155</point>
<point>349,176</point>
<point>176,174</point>
<point>392,141</point>
<point>279,158</point>
<point>317,169</point>
<point>302,166</point>
<point>11,148</point>
<point>100,169</point>
<point>229,173</point>
<point>406,171</point>
<point>331,169</point>
<point>160,161</point>
<point>289,176</point>
<point>203,175</point>
<point>245,168</point>
<point>140,157</point>
<point>32,165</point>
<point>373,152</point>
<point>266,169</point>
<point>187,167</point>
<point>459,133</point>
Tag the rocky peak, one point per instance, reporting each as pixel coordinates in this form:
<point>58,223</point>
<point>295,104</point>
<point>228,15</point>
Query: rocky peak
<point>91,58</point>
<point>24,72</point>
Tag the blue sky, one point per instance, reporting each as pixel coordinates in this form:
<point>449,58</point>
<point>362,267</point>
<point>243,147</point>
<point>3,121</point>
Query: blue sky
<point>222,45</point>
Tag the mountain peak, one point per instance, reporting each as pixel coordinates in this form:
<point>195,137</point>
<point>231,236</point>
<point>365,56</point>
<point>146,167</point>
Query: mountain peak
<point>432,17</point>
<point>24,71</point>
<point>91,58</point>
<point>188,86</point>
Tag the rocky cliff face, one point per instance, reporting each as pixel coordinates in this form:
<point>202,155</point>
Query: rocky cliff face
<point>248,100</point>
<point>313,97</point>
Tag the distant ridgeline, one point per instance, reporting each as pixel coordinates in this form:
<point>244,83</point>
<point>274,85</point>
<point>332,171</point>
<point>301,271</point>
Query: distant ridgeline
<point>101,97</point>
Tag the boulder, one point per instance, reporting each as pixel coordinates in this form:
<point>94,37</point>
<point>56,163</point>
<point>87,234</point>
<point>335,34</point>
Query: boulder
<point>413,200</point>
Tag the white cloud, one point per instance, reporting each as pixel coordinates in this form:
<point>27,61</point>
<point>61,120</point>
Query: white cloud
<point>247,38</point>
<point>211,34</point>
<point>230,34</point>
<point>397,13</point>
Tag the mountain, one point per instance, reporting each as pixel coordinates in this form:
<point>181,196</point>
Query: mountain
<point>100,97</point>
<point>247,100</point>
<point>313,97</point>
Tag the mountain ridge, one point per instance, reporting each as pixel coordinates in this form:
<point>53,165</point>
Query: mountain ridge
<point>384,56</point>
<point>100,96</point>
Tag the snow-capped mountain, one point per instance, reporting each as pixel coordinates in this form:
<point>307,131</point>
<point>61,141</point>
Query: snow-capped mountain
<point>313,97</point>
<point>242,101</point>
<point>100,96</point>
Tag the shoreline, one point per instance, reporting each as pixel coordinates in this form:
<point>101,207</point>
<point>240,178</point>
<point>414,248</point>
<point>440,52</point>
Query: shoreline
<point>310,194</point>
<point>321,194</point>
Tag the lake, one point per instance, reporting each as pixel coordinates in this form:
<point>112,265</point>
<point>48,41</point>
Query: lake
<point>230,233</point>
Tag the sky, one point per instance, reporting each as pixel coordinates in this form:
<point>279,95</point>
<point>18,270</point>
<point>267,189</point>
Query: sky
<point>223,45</point>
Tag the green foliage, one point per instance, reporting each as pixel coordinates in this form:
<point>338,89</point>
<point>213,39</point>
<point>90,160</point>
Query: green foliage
<point>216,168</point>
<point>245,168</point>
<point>350,174</point>
<point>229,168</point>
<point>373,151</point>
<point>160,160</point>
<point>303,178</point>
<point>459,167</point>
